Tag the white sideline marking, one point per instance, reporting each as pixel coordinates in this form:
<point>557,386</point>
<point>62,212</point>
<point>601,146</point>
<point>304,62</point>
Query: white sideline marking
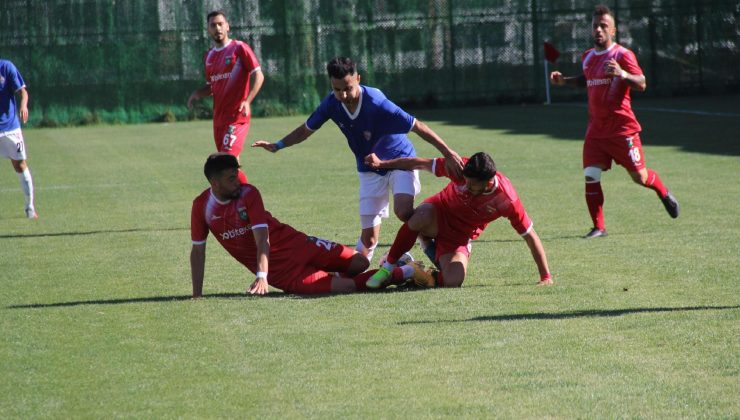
<point>76,187</point>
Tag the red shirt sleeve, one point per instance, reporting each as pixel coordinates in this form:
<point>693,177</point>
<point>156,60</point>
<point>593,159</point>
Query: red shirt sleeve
<point>198,225</point>
<point>252,200</point>
<point>249,60</point>
<point>628,62</point>
<point>440,169</point>
<point>519,218</point>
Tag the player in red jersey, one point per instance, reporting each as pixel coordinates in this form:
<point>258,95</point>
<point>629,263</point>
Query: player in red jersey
<point>230,66</point>
<point>455,216</point>
<point>234,213</point>
<point>610,71</point>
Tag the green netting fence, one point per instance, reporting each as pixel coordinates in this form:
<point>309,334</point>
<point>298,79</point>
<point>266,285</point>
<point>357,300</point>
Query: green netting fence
<point>122,61</point>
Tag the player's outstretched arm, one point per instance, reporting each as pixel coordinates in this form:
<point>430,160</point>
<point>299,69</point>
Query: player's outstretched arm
<point>453,161</point>
<point>198,94</point>
<point>407,163</point>
<point>296,136</point>
<point>557,79</point>
<point>538,253</point>
<point>197,268</point>
<point>262,240</point>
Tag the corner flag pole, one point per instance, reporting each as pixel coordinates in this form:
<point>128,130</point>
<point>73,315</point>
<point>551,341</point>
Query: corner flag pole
<point>547,83</point>
<point>551,55</point>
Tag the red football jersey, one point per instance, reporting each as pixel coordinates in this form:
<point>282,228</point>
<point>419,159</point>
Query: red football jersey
<point>609,103</point>
<point>231,222</point>
<point>471,214</point>
<point>227,71</point>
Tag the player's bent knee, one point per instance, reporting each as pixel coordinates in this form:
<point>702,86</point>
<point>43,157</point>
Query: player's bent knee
<point>453,275</point>
<point>640,177</point>
<point>592,173</point>
<point>358,264</point>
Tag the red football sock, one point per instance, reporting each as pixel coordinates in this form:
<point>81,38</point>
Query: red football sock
<point>242,177</point>
<point>405,240</point>
<point>440,280</point>
<point>655,184</point>
<point>361,278</point>
<point>595,203</point>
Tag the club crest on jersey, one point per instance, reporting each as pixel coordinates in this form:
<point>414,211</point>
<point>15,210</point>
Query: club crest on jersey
<point>368,135</point>
<point>227,60</point>
<point>242,213</point>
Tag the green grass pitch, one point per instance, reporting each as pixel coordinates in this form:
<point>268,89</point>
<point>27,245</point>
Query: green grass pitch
<point>96,320</point>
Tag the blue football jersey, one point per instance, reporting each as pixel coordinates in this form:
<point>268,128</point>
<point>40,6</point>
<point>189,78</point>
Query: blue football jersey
<point>10,82</point>
<point>378,126</point>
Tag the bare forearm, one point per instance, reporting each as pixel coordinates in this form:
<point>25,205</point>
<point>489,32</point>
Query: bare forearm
<point>635,81</point>
<point>255,85</point>
<point>202,92</point>
<point>575,81</point>
<point>538,252</point>
<point>431,137</point>
<point>24,98</point>
<point>197,270</point>
<point>296,136</point>
<point>408,164</point>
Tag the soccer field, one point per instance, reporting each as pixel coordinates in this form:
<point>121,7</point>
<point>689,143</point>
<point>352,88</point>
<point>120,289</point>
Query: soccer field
<point>96,320</point>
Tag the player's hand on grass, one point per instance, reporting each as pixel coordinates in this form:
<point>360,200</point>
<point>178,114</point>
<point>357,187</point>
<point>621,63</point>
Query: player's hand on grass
<point>270,147</point>
<point>259,287</point>
<point>245,108</point>
<point>557,79</point>
<point>372,161</point>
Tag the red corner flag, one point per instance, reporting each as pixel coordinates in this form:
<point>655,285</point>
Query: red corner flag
<point>551,53</point>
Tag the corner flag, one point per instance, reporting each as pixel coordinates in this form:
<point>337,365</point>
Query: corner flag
<point>551,55</point>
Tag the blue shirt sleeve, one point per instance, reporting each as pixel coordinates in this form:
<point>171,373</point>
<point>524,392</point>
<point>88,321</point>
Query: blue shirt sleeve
<point>16,81</point>
<point>320,115</point>
<point>396,121</point>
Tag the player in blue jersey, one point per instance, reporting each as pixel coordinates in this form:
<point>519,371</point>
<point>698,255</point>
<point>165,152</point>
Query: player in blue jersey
<point>11,138</point>
<point>372,124</point>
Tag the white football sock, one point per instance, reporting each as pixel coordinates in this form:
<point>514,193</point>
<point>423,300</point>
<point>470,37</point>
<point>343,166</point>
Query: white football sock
<point>362,249</point>
<point>27,186</point>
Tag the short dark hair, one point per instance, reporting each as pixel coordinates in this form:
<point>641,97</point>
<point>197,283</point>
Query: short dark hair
<point>480,166</point>
<point>601,10</point>
<point>216,13</point>
<point>219,162</point>
<point>338,67</point>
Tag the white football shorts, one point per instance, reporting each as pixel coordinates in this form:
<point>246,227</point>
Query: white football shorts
<point>374,190</point>
<point>12,146</point>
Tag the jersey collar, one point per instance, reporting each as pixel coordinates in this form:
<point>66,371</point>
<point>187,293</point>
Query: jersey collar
<point>359,105</point>
<point>213,196</point>
<point>224,47</point>
<point>611,47</point>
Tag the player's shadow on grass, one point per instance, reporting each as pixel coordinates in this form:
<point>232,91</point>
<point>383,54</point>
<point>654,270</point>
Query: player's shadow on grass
<point>175,298</point>
<point>89,232</point>
<point>591,313</point>
<point>711,133</point>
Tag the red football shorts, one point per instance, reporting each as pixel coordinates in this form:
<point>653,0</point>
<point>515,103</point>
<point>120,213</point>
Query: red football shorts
<point>314,260</point>
<point>230,138</point>
<point>448,240</point>
<point>625,150</point>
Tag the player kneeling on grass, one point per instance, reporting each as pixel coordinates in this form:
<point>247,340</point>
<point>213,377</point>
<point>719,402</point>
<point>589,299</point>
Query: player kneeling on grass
<point>455,216</point>
<point>297,263</point>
